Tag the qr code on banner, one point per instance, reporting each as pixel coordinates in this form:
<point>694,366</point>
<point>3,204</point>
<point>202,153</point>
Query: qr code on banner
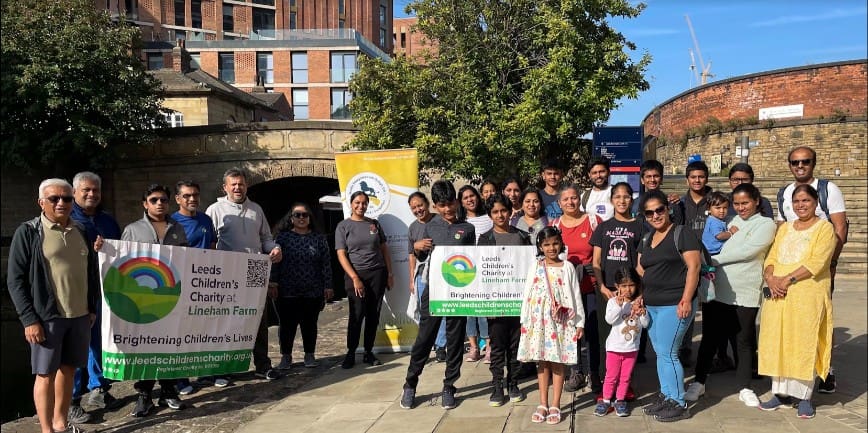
<point>257,272</point>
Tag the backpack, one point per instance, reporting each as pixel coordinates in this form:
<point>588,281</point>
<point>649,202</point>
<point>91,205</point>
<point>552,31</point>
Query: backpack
<point>707,271</point>
<point>822,192</point>
<point>586,195</point>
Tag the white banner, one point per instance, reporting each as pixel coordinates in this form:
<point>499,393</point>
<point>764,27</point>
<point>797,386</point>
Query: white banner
<point>173,312</point>
<point>484,281</point>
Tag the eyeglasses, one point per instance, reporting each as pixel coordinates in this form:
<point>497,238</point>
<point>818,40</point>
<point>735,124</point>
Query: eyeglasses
<point>154,200</point>
<point>189,196</point>
<point>55,198</point>
<point>796,162</point>
<point>659,211</point>
<point>740,180</point>
<point>300,215</point>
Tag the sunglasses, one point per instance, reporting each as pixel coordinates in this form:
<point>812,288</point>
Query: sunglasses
<point>55,198</point>
<point>796,162</point>
<point>659,211</point>
<point>300,215</point>
<point>189,196</point>
<point>154,200</point>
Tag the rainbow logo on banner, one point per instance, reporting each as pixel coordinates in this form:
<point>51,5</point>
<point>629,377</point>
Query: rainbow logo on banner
<point>141,289</point>
<point>458,270</point>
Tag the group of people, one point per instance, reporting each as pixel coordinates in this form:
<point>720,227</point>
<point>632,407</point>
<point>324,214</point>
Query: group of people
<point>611,273</point>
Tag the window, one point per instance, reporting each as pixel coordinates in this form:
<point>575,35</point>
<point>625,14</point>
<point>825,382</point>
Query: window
<point>341,7</point>
<point>343,66</point>
<point>293,20</point>
<point>131,9</point>
<point>264,2</point>
<point>403,40</point>
<point>180,13</point>
<point>174,119</point>
<point>155,61</point>
<point>195,61</point>
<point>196,13</point>
<point>300,104</point>
<point>382,15</point>
<point>382,37</point>
<point>263,22</point>
<point>299,67</point>
<point>342,23</point>
<point>226,67</point>
<point>340,104</point>
<point>228,19</point>
<point>265,67</point>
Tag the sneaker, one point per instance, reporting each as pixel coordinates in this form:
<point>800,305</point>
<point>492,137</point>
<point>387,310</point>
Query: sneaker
<point>655,407</point>
<point>102,399</point>
<point>143,406</point>
<point>71,428</point>
<point>270,374</point>
<point>408,398</point>
<point>806,410</point>
<point>487,358</point>
<point>473,355</point>
<point>827,386</point>
<point>603,408</point>
<point>77,415</point>
<point>369,358</point>
<point>172,402</point>
<point>515,394</point>
<point>748,397</point>
<point>440,354</point>
<point>497,398</point>
<point>221,382</point>
<point>187,390</point>
<point>349,361</point>
<point>447,398</point>
<point>576,381</point>
<point>310,361</point>
<point>775,403</point>
<point>621,408</point>
<point>694,391</point>
<point>285,363</point>
<point>672,411</point>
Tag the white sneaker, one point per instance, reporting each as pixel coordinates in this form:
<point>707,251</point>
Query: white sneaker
<point>187,390</point>
<point>748,397</point>
<point>694,391</point>
<point>221,382</point>
<point>285,363</point>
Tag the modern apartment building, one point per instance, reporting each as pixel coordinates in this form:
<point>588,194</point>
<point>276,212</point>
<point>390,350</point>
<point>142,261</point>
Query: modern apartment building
<point>305,49</point>
<point>408,41</point>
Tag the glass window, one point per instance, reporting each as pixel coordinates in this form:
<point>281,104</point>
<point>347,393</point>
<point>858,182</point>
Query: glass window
<point>155,61</point>
<point>382,37</point>
<point>299,67</point>
<point>342,23</point>
<point>403,40</point>
<point>226,67</point>
<point>228,19</point>
<point>340,6</point>
<point>263,22</point>
<point>382,15</point>
<point>131,9</point>
<point>174,119</point>
<point>264,2</point>
<point>196,13</point>
<point>293,20</point>
<point>300,104</point>
<point>195,61</point>
<point>340,104</point>
<point>343,66</point>
<point>180,13</point>
<point>265,67</point>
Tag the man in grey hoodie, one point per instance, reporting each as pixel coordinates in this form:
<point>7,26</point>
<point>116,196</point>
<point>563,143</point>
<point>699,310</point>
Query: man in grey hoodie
<point>241,226</point>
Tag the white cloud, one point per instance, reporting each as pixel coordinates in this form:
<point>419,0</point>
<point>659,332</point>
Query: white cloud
<point>794,19</point>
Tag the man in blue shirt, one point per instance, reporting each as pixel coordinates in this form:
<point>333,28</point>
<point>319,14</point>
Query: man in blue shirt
<point>87,191</point>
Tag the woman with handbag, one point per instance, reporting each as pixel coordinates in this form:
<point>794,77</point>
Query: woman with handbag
<point>738,292</point>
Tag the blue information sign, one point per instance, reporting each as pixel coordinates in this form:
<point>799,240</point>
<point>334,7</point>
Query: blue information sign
<point>622,145</point>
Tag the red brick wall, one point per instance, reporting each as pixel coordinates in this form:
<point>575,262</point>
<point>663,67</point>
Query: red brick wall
<point>415,42</point>
<point>318,64</point>
<point>245,68</point>
<point>319,99</point>
<point>822,89</point>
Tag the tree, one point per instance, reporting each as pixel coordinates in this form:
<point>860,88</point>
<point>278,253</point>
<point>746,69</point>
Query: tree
<point>73,91</point>
<point>513,82</point>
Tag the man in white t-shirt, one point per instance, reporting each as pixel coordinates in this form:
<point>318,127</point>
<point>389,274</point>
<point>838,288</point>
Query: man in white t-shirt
<point>802,161</point>
<point>598,199</point>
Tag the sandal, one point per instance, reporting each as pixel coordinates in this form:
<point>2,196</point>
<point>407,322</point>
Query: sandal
<point>540,414</point>
<point>554,416</point>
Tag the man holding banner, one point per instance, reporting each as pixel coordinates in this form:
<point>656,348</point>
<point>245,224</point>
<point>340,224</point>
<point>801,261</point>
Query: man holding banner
<point>444,229</point>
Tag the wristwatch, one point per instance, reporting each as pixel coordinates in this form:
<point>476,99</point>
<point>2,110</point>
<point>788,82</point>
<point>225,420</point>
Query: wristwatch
<point>793,280</point>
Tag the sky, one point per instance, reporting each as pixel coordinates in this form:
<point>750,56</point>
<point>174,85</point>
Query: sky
<point>737,37</point>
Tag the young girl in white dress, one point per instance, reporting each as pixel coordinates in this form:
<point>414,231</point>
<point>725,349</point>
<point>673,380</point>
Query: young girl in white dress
<point>552,321</point>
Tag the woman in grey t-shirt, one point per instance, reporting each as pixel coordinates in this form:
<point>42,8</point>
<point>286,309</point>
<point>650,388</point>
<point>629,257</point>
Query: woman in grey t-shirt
<point>364,257</point>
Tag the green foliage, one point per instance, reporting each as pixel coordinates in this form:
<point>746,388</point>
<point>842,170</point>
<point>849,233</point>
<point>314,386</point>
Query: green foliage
<point>512,83</point>
<point>73,93</point>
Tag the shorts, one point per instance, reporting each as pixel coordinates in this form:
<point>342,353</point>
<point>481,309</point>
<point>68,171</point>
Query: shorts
<point>66,343</point>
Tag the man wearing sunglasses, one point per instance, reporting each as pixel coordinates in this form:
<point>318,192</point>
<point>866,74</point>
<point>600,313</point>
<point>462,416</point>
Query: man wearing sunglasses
<point>53,281</point>
<point>87,190</point>
<point>156,227</point>
<point>802,160</point>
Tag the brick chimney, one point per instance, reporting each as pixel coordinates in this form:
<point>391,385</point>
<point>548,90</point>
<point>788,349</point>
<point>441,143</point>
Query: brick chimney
<point>180,58</point>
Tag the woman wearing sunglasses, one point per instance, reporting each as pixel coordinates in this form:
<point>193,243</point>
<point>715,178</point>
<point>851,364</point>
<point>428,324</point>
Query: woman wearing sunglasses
<point>302,280</point>
<point>670,276</point>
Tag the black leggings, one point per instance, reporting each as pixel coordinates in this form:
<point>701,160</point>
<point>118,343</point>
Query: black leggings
<point>366,308</point>
<point>295,313</point>
<point>719,322</point>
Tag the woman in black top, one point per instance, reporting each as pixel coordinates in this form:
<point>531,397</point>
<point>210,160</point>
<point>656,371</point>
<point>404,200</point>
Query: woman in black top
<point>303,280</point>
<point>364,257</point>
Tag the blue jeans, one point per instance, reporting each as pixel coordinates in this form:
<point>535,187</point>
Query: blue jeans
<point>473,331</point>
<point>666,332</point>
<point>421,286</point>
<point>94,365</point>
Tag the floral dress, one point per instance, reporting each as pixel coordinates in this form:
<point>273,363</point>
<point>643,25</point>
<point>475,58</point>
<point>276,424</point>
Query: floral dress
<point>542,338</point>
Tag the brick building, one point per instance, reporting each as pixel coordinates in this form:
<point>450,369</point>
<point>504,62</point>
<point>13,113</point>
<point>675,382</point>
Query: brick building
<point>409,42</point>
<point>305,49</point>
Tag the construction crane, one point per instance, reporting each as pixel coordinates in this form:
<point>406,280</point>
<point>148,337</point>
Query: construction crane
<point>704,72</point>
